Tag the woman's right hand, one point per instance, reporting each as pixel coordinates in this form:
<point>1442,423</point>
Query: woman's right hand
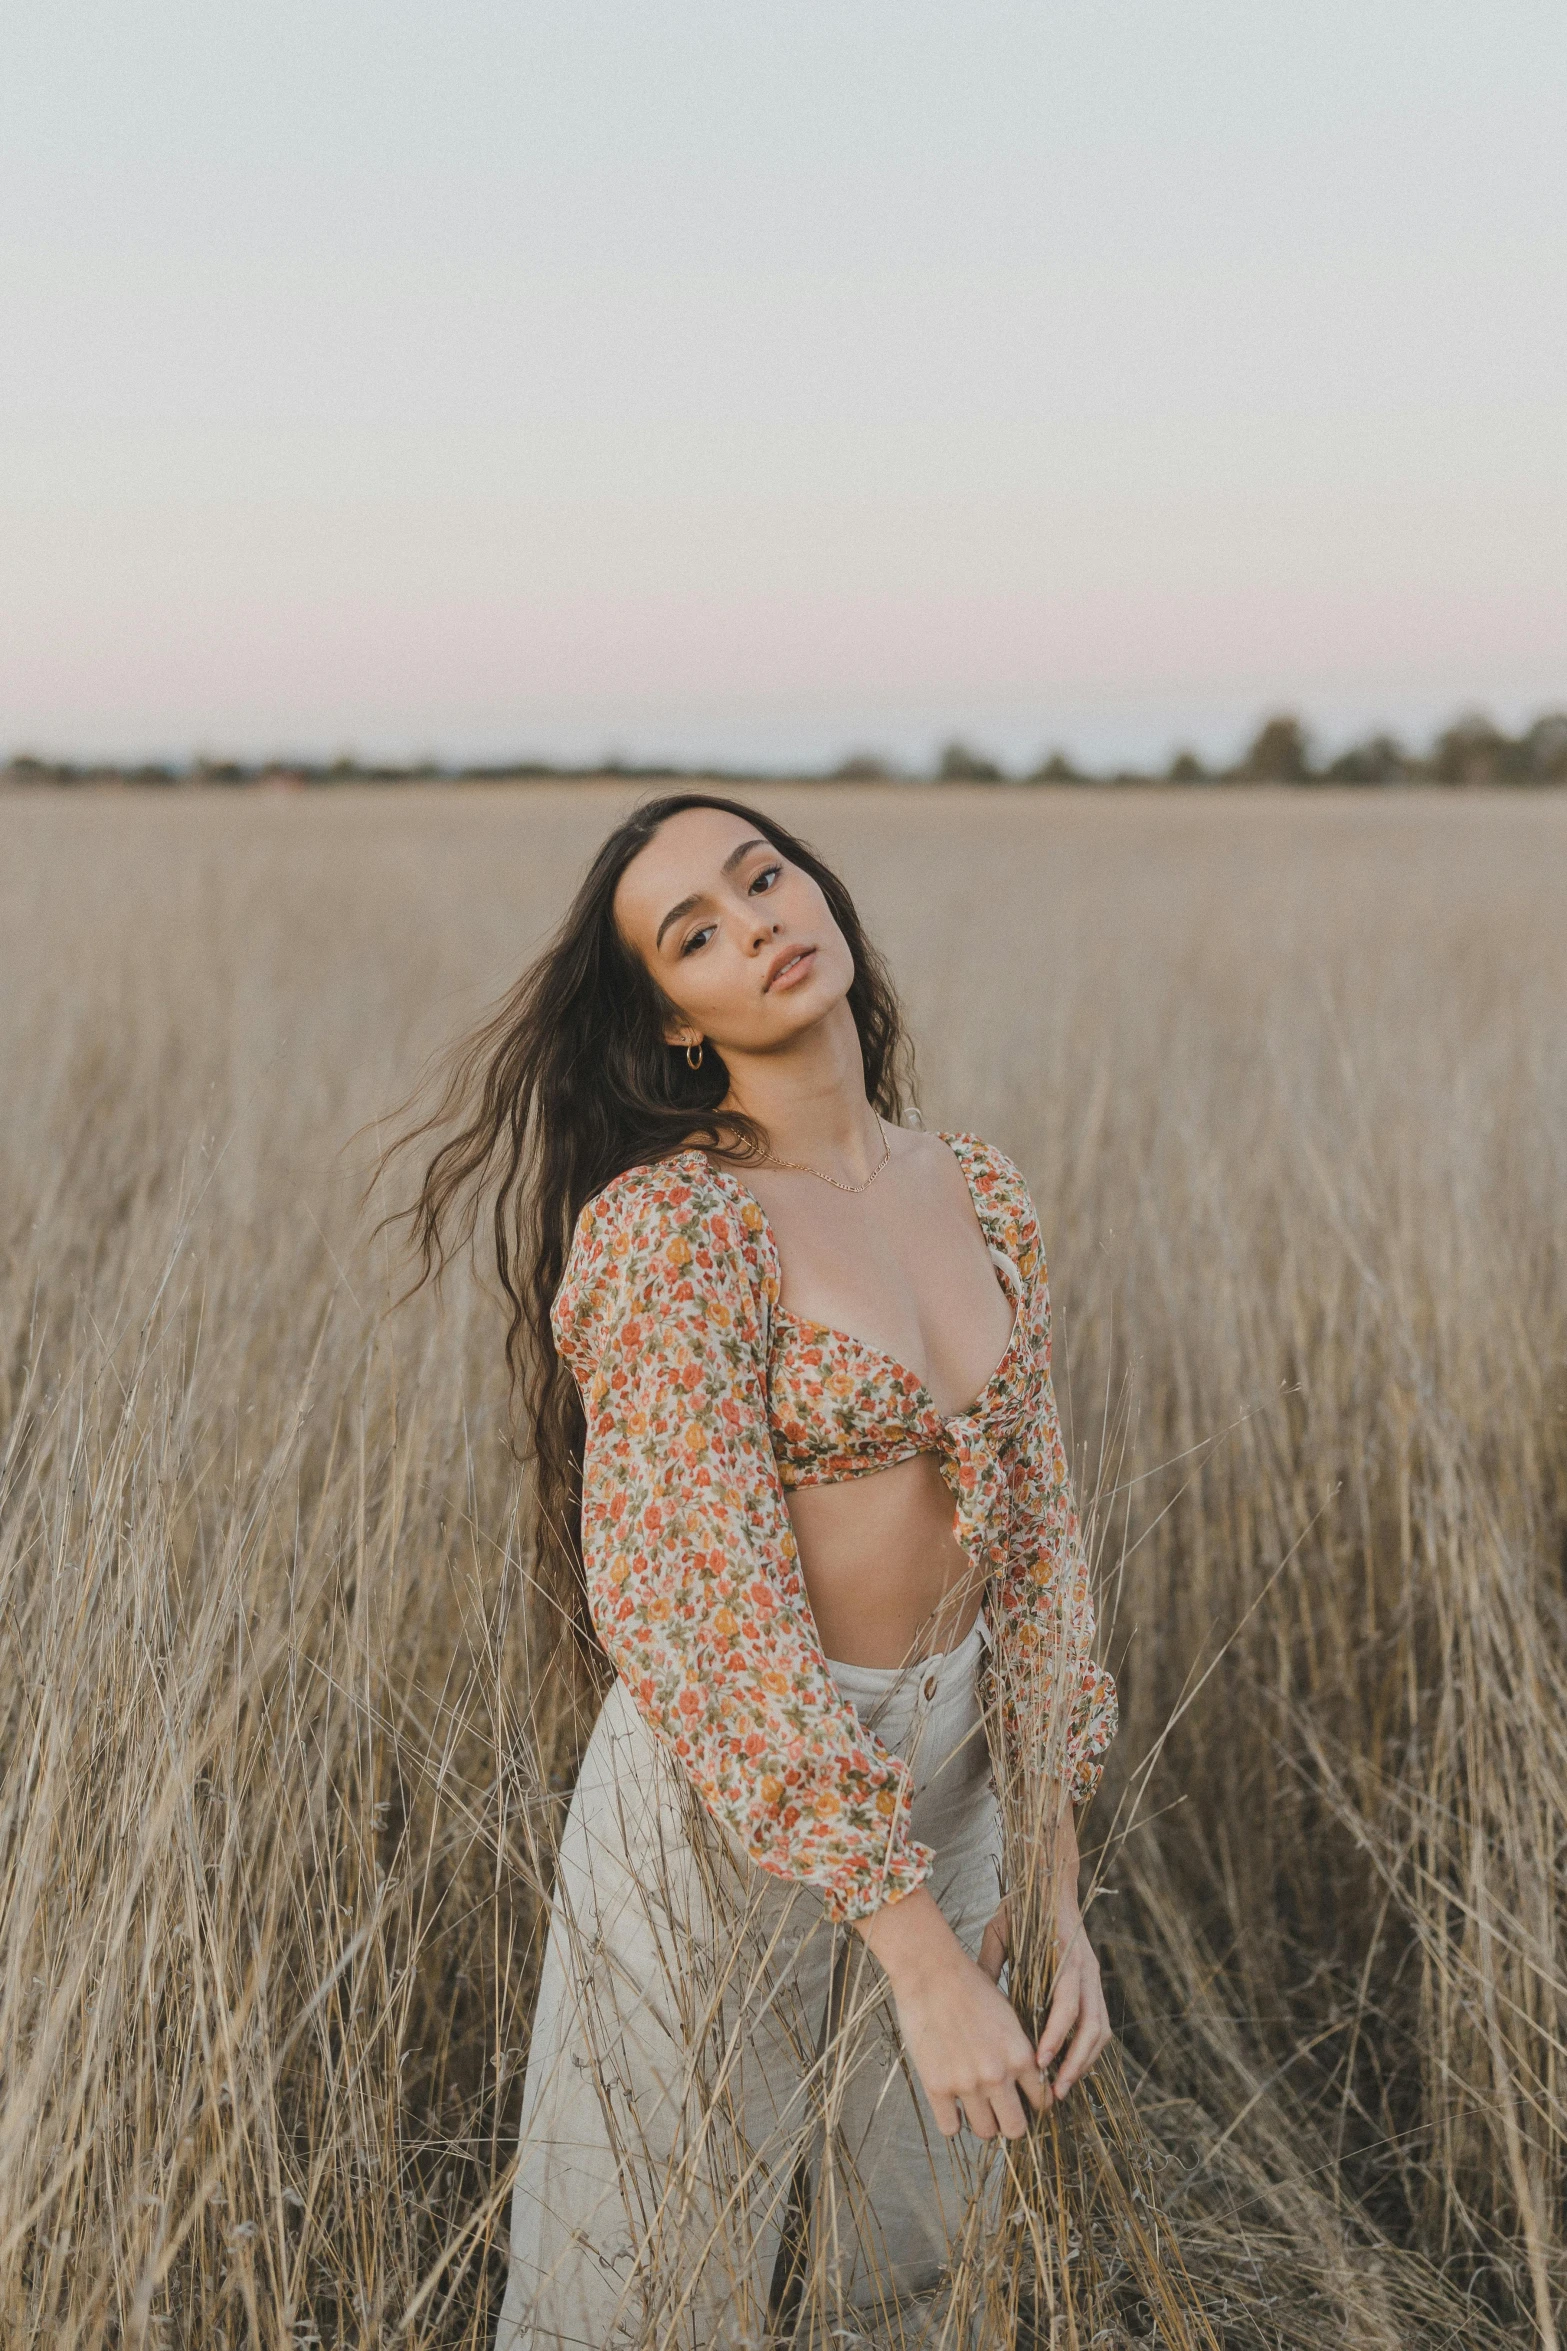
<point>961,2035</point>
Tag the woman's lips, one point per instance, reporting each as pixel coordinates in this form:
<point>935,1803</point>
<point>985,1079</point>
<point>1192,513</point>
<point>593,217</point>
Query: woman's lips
<point>791,968</point>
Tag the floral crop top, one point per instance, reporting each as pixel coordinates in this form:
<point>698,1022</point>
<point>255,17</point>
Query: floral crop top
<point>704,1398</point>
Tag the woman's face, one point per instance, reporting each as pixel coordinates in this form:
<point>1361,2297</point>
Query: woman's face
<point>739,940</point>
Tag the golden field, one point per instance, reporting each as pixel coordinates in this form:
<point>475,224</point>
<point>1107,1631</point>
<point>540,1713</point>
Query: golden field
<point>1288,1075</point>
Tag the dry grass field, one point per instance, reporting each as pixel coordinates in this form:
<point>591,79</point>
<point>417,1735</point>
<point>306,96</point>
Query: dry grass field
<point>1288,1074</point>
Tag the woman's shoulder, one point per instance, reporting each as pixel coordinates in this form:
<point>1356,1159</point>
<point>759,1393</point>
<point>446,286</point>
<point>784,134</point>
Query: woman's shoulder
<point>654,1191</point>
<point>668,1226</point>
<point>1001,1198</point>
<point>663,1200</point>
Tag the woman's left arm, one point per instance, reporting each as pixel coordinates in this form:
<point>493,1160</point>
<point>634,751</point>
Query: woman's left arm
<point>1057,1703</point>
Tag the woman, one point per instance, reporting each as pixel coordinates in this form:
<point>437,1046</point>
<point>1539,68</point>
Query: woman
<point>787,1362</point>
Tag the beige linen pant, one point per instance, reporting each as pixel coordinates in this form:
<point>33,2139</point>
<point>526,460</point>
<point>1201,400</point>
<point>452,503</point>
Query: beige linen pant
<point>722,2146</point>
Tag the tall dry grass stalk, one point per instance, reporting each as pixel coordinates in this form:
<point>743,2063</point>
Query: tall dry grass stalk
<point>284,1752</point>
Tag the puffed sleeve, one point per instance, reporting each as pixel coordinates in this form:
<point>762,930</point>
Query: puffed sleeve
<point>1057,1699</point>
<point>692,1576</point>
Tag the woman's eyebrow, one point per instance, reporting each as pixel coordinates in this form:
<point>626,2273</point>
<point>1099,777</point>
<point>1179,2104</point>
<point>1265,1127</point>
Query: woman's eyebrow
<point>687,905</point>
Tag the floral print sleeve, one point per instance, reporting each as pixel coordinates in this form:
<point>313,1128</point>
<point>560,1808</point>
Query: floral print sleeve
<point>1055,1696</point>
<point>693,1580</point>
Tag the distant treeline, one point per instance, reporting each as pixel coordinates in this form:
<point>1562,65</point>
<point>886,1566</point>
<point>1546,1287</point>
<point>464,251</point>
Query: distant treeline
<point>1473,750</point>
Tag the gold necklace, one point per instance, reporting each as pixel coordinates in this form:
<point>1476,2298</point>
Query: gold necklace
<point>798,1167</point>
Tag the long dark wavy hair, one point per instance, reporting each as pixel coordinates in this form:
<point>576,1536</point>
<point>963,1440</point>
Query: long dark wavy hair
<point>568,1083</point>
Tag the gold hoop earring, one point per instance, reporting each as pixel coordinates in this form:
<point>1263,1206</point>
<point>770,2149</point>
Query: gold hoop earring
<point>694,1055</point>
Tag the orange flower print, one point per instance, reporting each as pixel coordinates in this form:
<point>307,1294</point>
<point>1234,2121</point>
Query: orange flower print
<point>704,1402</point>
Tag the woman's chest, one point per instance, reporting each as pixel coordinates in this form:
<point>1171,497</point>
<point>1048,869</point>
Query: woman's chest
<point>889,1312</point>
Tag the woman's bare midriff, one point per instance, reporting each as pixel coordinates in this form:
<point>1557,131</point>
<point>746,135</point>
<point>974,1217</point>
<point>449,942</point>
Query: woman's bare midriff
<point>886,1576</point>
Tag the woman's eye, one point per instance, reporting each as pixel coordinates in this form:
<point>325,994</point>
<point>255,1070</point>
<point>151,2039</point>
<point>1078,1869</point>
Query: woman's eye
<point>699,938</point>
<point>766,878</point>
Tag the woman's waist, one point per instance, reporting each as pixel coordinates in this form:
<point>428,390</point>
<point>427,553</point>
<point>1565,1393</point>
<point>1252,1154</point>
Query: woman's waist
<point>884,1571</point>
<point>942,1676</point>
<point>928,1711</point>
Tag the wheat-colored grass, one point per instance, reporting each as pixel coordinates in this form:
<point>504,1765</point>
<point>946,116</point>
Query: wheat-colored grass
<point>278,1779</point>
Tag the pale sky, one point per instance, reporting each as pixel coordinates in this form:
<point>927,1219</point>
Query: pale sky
<point>764,381</point>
